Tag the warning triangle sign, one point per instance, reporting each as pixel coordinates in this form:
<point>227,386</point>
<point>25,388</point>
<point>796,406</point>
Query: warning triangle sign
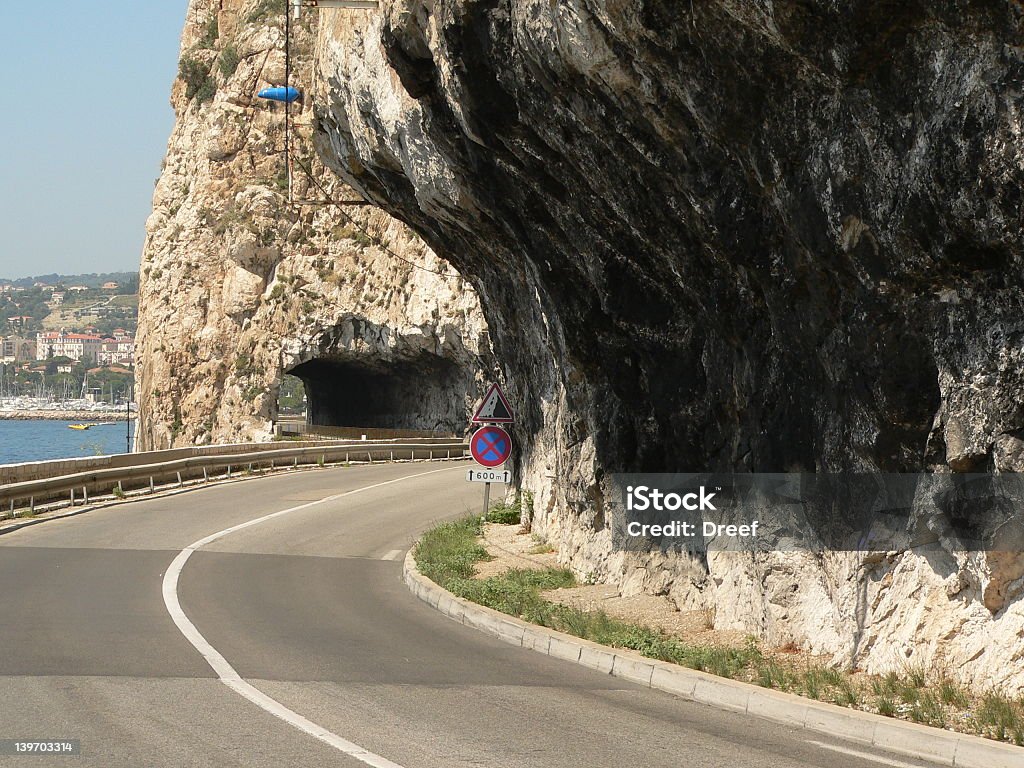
<point>495,408</point>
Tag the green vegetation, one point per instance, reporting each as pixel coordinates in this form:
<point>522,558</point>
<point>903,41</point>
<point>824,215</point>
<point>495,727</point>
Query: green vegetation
<point>252,391</point>
<point>449,553</point>
<point>229,60</point>
<point>244,364</point>
<point>1001,718</point>
<point>113,384</point>
<point>265,9</point>
<point>211,31</point>
<point>291,396</point>
<point>504,514</point>
<point>199,84</point>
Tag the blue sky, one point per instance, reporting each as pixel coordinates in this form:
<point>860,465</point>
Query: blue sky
<point>84,127</point>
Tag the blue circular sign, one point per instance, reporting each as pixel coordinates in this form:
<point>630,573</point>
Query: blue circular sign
<point>490,446</point>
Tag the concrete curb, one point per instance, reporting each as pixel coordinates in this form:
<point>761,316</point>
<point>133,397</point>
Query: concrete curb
<point>910,739</point>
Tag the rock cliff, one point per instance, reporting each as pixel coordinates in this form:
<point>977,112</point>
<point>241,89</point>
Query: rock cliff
<point>238,287</point>
<point>733,236</point>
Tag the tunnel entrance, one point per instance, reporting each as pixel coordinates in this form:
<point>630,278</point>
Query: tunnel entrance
<point>424,393</point>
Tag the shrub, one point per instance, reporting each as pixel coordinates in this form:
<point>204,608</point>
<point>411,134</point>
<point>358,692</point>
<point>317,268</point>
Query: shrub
<point>503,514</point>
<point>266,8</point>
<point>198,83</point>
<point>211,31</point>
<point>229,61</point>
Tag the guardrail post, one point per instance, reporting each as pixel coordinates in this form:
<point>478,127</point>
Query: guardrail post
<point>369,457</point>
<point>346,457</point>
<point>229,470</point>
<point>392,455</point>
<point>179,480</point>
<point>431,454</point>
<point>295,462</point>
<point>271,465</point>
<point>120,488</point>
<point>72,497</point>
<point>151,488</point>
<point>31,505</point>
<point>85,494</point>
<point>206,477</point>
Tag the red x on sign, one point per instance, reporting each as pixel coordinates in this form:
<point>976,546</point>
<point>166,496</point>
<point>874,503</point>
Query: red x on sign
<point>490,446</point>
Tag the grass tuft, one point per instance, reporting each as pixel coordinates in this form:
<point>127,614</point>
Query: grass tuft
<point>504,514</point>
<point>1001,718</point>
<point>448,553</point>
<point>952,694</point>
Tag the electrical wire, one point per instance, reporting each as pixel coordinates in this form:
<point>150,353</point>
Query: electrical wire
<point>376,240</point>
<point>328,198</point>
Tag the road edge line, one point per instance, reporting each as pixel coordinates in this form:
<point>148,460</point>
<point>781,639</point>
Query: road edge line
<point>225,672</point>
<point>896,736</point>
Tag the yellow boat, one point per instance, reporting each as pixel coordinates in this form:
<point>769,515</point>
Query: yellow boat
<point>79,426</point>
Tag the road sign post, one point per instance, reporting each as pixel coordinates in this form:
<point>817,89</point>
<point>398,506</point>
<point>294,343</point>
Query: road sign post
<point>491,446</point>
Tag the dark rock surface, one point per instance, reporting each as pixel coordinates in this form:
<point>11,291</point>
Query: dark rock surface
<point>721,235</point>
<point>762,236</point>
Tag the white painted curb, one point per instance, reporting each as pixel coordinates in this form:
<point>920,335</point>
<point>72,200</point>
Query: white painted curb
<point>911,739</point>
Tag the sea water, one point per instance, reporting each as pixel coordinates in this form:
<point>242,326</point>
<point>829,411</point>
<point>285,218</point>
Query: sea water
<point>43,440</point>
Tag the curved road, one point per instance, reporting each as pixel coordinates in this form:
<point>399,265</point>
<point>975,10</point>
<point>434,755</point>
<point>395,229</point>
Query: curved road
<point>310,609</point>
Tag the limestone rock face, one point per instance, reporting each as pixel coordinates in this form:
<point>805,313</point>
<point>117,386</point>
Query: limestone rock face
<point>728,236</point>
<point>238,287</point>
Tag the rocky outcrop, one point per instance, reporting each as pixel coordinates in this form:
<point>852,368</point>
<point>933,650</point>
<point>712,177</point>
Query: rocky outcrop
<point>758,236</point>
<point>238,287</point>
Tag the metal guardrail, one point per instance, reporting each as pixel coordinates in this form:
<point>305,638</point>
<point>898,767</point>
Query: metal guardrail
<point>48,489</point>
<point>289,428</point>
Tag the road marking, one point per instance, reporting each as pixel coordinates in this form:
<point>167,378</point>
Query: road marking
<point>394,554</point>
<point>226,673</point>
<point>865,755</point>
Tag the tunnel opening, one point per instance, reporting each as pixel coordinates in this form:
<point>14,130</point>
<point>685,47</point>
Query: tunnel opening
<point>427,393</point>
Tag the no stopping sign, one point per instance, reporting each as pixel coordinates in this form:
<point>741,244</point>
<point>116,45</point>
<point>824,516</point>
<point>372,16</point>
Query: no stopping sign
<point>490,446</point>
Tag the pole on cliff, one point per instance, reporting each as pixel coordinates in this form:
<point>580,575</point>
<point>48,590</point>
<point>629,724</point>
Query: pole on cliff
<point>128,413</point>
<point>287,103</point>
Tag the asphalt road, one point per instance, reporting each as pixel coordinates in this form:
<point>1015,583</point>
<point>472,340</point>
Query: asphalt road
<point>309,607</point>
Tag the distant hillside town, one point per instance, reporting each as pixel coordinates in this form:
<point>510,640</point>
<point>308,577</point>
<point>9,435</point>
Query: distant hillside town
<point>117,349</point>
<point>68,336</point>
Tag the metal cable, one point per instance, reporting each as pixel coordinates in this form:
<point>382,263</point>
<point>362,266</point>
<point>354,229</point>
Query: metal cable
<point>376,240</point>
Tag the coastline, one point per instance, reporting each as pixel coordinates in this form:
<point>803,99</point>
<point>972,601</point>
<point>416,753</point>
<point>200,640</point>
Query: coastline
<point>53,415</point>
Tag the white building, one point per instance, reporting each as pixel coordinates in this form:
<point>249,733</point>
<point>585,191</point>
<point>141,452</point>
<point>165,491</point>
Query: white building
<point>118,350</point>
<point>77,346</point>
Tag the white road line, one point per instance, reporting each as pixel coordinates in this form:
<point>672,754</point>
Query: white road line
<point>394,554</point>
<point>865,755</point>
<point>226,673</point>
